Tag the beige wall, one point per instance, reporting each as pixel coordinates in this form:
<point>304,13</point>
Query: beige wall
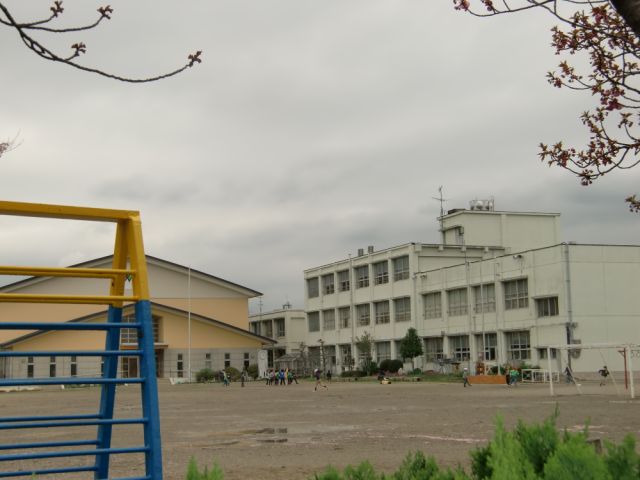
<point>203,335</point>
<point>169,285</point>
<point>234,311</point>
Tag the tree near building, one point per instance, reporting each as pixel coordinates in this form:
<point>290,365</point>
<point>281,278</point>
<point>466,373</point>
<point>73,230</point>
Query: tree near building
<point>606,33</point>
<point>364,344</point>
<point>411,346</point>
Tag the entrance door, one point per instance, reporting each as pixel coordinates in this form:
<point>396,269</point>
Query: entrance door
<point>159,363</point>
<point>129,367</point>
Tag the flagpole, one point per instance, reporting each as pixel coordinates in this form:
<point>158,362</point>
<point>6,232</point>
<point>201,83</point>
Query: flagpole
<point>189,323</point>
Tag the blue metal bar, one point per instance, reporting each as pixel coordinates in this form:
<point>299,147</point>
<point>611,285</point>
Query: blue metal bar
<point>147,477</point>
<point>149,389</point>
<point>48,471</point>
<point>76,423</point>
<point>71,453</point>
<point>65,326</point>
<point>66,381</point>
<point>71,353</point>
<point>108,393</point>
<point>20,446</point>
<point>49,418</point>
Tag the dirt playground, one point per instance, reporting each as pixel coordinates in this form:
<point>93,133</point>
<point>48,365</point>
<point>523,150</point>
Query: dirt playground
<point>291,432</point>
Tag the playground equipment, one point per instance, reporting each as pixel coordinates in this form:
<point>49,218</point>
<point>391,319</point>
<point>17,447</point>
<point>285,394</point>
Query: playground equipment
<point>128,263</point>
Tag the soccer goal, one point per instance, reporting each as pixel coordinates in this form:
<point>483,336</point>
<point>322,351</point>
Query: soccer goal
<point>574,362</point>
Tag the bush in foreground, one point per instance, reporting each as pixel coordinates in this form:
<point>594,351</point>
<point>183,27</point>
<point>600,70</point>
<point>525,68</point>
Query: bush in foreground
<point>529,452</point>
<point>194,473</point>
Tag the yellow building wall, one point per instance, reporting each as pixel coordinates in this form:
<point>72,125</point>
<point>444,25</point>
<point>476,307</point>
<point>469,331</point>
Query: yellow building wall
<point>173,332</point>
<point>203,335</point>
<point>234,311</point>
<point>69,340</point>
<point>39,312</point>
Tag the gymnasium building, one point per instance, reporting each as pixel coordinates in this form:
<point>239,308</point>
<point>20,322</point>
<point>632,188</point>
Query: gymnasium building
<point>199,321</point>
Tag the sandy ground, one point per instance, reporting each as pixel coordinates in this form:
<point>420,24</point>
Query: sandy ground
<point>292,432</point>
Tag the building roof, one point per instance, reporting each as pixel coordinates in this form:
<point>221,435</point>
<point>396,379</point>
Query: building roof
<point>152,260</point>
<point>156,306</point>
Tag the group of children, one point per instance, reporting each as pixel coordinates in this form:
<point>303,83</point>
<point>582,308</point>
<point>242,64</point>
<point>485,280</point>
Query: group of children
<point>280,377</point>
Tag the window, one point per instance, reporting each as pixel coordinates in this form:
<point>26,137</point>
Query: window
<point>402,309</point>
<point>280,330</point>
<point>267,327</point>
<point>345,355</point>
<point>487,343</point>
<point>52,366</point>
<point>74,366</point>
<point>542,353</point>
<point>401,268</point>
<point>180,366</point>
<point>329,319</point>
<point>245,361</point>
<point>547,307</point>
<point>129,336</point>
<point>155,323</point>
<point>314,321</point>
<point>485,298</point>
<point>381,273</point>
<point>343,281</point>
<point>312,287</point>
<point>434,349</point>
<point>459,346</point>
<point>459,235</point>
<point>227,360</point>
<point>383,351</point>
<point>207,361</point>
<point>432,305</point>
<point>518,345</point>
<point>30,367</point>
<point>382,312</point>
<point>344,315</point>
<point>254,327</point>
<point>516,294</point>
<point>363,313</point>
<point>362,276</point>
<point>457,301</point>
<point>328,285</point>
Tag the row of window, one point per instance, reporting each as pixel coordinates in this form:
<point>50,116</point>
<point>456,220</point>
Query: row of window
<point>518,346</point>
<point>361,276</point>
<point>53,366</point>
<point>267,327</point>
<point>516,295</point>
<point>363,312</point>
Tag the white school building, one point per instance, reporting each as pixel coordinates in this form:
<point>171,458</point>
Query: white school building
<point>499,287</point>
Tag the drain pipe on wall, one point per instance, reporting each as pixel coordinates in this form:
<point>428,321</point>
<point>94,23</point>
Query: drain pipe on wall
<point>567,281</point>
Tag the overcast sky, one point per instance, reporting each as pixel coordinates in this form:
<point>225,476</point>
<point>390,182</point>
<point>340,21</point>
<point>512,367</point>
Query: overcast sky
<point>313,128</point>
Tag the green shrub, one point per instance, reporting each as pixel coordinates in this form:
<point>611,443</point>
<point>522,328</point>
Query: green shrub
<point>233,373</point>
<point>416,371</point>
<point>205,375</point>
<point>372,368</point>
<point>622,460</point>
<point>529,452</point>
<point>392,366</point>
<point>252,371</point>
<point>194,473</point>
<point>384,365</point>
<point>353,373</point>
<point>576,459</point>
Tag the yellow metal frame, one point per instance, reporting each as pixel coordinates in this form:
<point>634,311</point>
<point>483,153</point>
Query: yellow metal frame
<point>128,249</point>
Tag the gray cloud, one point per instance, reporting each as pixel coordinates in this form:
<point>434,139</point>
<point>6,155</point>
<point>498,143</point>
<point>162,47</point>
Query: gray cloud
<point>311,129</point>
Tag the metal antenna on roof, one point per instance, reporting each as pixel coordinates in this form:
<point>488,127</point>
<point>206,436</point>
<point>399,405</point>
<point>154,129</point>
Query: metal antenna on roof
<point>441,200</point>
